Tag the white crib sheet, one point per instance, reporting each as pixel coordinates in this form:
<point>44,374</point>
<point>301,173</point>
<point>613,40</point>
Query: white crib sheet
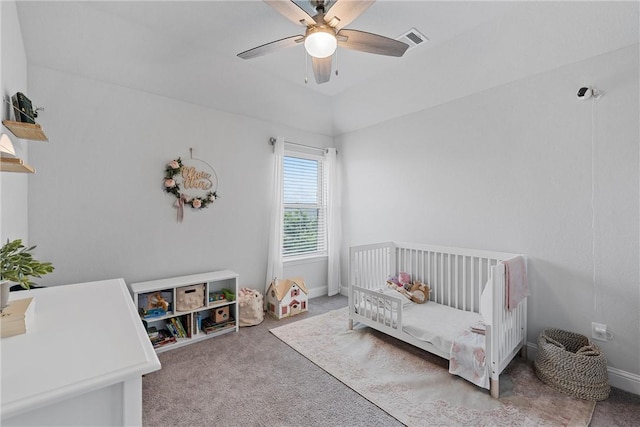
<point>437,324</point>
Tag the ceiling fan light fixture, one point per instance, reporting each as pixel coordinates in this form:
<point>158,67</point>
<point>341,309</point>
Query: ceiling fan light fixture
<point>320,42</point>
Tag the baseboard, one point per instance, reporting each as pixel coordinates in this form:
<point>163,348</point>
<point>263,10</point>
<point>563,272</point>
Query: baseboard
<point>624,380</point>
<point>318,292</point>
<point>532,350</point>
<point>618,378</point>
<point>324,291</point>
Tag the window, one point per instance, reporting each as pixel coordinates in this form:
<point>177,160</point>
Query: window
<point>304,203</point>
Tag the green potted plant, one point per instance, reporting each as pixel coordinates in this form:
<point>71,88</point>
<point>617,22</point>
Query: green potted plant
<point>18,266</point>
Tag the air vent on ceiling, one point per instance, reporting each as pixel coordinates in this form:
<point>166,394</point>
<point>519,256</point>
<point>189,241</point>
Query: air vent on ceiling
<point>413,38</point>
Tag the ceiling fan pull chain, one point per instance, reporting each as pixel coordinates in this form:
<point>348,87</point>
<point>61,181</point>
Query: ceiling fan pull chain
<point>336,62</point>
<point>306,67</point>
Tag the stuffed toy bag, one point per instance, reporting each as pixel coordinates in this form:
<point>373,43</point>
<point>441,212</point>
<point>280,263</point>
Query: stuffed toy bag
<point>250,307</point>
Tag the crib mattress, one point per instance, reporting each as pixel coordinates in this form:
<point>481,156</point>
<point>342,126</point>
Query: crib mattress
<point>437,324</point>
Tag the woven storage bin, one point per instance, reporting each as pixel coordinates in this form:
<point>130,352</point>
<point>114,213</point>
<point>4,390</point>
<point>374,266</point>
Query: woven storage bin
<point>567,362</point>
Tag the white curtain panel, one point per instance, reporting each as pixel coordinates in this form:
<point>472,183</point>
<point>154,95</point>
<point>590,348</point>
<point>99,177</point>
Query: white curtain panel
<point>274,258</point>
<point>334,225</point>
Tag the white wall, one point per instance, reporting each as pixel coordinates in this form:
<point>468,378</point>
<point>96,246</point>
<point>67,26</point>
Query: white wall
<point>97,208</point>
<point>13,186</point>
<point>313,271</point>
<point>509,169</point>
<point>530,37</point>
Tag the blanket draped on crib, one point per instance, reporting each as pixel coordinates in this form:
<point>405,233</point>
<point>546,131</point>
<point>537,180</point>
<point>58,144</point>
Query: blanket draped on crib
<point>468,358</point>
<point>517,287</point>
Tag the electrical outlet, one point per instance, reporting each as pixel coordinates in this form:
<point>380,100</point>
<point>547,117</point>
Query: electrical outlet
<point>599,331</point>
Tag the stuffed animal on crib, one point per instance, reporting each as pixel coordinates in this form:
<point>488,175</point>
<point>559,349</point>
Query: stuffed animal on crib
<point>401,280</point>
<point>419,292</point>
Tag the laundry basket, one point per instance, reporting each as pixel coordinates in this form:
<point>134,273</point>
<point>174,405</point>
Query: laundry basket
<point>567,362</point>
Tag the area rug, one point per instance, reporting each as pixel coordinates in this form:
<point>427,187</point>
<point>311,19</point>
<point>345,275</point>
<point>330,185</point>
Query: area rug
<point>416,388</point>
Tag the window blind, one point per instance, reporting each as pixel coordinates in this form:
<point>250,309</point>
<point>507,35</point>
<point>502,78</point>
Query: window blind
<point>304,203</point>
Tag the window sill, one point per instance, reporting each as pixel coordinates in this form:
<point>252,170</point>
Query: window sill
<point>308,259</point>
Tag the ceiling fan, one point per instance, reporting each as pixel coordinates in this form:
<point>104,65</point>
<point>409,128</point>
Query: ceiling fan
<point>325,32</point>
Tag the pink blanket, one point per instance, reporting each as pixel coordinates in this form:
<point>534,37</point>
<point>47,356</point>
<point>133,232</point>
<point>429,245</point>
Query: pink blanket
<point>467,358</point>
<point>517,286</point>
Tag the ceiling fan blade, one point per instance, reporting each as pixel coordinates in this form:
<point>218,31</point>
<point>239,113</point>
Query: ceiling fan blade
<point>271,47</point>
<point>291,11</point>
<point>343,12</point>
<point>371,43</point>
<point>322,68</point>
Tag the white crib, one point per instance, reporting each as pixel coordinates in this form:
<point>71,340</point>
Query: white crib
<point>457,278</point>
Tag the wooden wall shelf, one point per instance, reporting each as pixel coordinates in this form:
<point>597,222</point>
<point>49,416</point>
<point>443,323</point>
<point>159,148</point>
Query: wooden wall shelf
<point>26,130</point>
<point>8,164</point>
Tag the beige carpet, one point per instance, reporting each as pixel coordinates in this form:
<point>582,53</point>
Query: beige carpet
<point>416,388</point>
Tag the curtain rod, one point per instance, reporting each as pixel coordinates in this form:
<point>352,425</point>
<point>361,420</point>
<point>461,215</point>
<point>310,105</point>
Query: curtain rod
<point>272,141</point>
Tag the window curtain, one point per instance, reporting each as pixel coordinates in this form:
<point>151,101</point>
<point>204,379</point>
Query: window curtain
<point>274,257</point>
<point>334,226</point>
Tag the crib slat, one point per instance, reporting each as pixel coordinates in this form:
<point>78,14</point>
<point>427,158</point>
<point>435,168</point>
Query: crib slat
<point>411,254</point>
<point>446,278</point>
<point>464,278</point>
<point>471,282</point>
<point>456,291</point>
<point>479,281</point>
<point>429,278</point>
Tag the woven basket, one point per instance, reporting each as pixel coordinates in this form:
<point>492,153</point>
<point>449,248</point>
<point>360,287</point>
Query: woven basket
<point>567,362</point>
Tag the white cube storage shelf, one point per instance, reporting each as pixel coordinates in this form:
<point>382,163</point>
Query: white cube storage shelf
<point>213,282</point>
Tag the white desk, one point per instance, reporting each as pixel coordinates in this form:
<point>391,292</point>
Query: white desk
<point>81,361</point>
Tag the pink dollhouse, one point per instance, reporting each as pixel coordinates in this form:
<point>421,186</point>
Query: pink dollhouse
<point>287,297</point>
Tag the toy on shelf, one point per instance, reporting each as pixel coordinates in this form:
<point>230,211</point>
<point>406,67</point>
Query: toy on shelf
<point>228,295</point>
<point>154,306</point>
<point>216,297</point>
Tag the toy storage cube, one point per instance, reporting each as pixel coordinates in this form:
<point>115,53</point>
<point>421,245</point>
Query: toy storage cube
<point>189,297</point>
<point>220,314</point>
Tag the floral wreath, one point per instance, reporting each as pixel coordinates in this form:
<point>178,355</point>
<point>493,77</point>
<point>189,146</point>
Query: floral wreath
<point>174,167</point>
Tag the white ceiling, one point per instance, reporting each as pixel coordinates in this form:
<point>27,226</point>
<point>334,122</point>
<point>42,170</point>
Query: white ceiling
<point>187,50</point>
